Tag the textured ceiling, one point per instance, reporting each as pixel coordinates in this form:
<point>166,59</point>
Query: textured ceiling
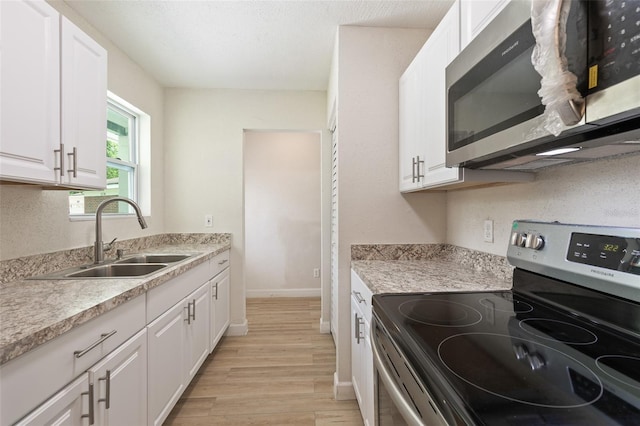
<point>251,44</point>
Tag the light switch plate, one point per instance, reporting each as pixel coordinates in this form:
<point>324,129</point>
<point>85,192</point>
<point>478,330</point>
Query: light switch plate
<point>208,220</point>
<point>488,231</point>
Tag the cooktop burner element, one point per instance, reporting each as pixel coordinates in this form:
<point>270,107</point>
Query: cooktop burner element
<point>561,348</point>
<point>441,313</point>
<point>523,378</point>
<point>561,331</point>
<point>620,368</point>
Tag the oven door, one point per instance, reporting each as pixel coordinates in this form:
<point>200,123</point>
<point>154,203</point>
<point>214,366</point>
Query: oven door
<point>399,399</point>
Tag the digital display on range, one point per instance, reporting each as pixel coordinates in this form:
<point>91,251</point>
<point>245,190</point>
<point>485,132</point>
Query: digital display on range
<point>604,251</point>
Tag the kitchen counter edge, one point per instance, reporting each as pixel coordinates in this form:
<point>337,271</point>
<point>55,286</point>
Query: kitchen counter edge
<point>33,312</point>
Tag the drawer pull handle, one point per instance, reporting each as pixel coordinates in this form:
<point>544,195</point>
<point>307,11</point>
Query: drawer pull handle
<point>103,337</point>
<point>359,297</point>
<point>222,262</point>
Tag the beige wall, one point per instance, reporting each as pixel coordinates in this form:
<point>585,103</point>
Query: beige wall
<point>604,192</point>
<point>371,208</point>
<point>204,155</point>
<point>282,213</point>
<point>34,221</point>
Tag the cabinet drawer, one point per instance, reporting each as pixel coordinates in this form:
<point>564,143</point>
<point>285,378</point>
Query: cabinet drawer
<point>219,263</point>
<point>362,294</point>
<point>33,377</point>
<point>163,297</point>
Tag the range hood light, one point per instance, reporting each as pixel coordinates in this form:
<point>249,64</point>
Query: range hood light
<point>560,151</point>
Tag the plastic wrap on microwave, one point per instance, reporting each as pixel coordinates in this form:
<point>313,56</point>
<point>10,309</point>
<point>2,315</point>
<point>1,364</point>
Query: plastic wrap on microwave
<point>564,106</point>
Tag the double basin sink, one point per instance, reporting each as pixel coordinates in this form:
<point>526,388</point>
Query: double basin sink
<point>129,267</point>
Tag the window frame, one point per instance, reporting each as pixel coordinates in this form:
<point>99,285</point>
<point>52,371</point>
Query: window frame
<point>132,166</point>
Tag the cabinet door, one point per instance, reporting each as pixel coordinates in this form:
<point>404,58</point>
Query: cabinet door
<point>475,15</point>
<point>67,407</point>
<point>441,48</point>
<point>120,383</point>
<point>30,87</point>
<point>84,108</point>
<point>197,335</point>
<point>408,127</point>
<point>219,307</point>
<point>357,343</point>
<point>165,338</point>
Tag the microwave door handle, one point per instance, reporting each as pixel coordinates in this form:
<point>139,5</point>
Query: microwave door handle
<point>571,109</point>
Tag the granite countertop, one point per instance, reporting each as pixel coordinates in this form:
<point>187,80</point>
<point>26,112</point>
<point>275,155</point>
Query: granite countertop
<point>432,275</point>
<point>415,268</point>
<point>33,312</point>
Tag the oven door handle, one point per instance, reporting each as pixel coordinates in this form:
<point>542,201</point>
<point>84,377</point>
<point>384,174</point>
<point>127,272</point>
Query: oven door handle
<point>406,410</point>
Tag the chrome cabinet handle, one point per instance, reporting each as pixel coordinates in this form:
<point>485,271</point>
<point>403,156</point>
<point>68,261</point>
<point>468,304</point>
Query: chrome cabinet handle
<point>194,310</point>
<point>359,297</point>
<point>91,415</point>
<point>413,169</point>
<point>74,154</point>
<point>357,332</point>
<point>188,308</point>
<point>103,337</point>
<point>61,151</point>
<point>222,262</point>
<point>107,398</point>
<point>418,162</point>
<point>216,295</point>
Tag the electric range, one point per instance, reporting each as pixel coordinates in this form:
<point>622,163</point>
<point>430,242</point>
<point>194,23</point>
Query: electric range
<point>562,347</point>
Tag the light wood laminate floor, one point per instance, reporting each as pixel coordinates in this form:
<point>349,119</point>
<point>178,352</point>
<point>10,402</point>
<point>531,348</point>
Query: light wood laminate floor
<point>280,373</point>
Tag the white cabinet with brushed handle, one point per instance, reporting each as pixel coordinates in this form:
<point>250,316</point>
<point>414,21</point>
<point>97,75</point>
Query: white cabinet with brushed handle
<point>53,79</point>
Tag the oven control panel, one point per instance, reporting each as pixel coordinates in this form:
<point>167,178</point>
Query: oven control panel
<point>597,257</point>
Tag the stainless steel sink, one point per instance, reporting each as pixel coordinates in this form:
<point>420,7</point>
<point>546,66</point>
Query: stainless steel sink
<point>135,266</point>
<point>117,270</point>
<point>154,258</point>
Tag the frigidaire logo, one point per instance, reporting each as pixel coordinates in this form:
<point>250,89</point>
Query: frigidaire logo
<point>510,48</point>
<point>606,274</point>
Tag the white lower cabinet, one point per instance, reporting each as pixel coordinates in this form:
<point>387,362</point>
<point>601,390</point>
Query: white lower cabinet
<point>219,307</point>
<point>128,366</point>
<point>178,345</point>
<point>120,384</point>
<point>113,392</point>
<point>361,352</point>
<point>66,407</point>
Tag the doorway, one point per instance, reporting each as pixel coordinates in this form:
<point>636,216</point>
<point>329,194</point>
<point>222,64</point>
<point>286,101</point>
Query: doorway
<point>282,213</point>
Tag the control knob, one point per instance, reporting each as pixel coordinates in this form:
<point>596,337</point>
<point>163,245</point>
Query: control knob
<point>534,241</point>
<point>518,239</point>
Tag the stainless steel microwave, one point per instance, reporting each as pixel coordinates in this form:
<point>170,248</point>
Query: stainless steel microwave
<point>495,114</point>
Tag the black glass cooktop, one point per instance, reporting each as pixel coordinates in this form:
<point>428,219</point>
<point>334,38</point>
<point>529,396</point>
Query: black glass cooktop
<point>541,354</point>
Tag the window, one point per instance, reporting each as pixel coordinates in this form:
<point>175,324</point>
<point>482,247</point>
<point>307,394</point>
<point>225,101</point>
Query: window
<point>122,165</point>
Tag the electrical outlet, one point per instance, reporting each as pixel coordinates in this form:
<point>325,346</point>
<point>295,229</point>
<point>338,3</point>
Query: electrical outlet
<point>488,231</point>
<point>316,273</point>
<point>208,220</point>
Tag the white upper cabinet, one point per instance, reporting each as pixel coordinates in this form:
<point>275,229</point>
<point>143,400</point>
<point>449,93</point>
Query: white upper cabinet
<point>30,87</point>
<point>53,80</point>
<point>475,15</point>
<point>423,113</point>
<point>84,108</point>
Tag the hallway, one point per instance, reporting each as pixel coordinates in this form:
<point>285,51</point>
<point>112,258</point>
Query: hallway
<point>280,373</point>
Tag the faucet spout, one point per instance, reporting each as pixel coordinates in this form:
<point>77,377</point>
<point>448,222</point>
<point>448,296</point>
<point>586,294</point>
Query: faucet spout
<point>99,246</point>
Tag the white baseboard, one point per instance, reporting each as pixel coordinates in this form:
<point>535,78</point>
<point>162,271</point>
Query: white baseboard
<point>325,326</point>
<point>342,390</point>
<point>288,292</point>
<point>238,329</point>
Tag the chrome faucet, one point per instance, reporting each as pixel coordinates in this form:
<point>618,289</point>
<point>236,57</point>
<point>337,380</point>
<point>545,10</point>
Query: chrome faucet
<point>99,246</point>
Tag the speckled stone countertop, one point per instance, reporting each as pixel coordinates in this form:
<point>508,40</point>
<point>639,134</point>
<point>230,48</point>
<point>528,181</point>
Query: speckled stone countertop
<point>429,268</point>
<point>32,312</point>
